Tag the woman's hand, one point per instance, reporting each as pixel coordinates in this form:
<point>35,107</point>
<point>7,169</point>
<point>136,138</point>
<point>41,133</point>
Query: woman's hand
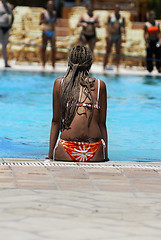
<point>49,156</point>
<point>84,25</point>
<point>147,45</point>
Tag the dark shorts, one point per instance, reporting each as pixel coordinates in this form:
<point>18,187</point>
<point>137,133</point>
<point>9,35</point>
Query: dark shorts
<point>5,29</point>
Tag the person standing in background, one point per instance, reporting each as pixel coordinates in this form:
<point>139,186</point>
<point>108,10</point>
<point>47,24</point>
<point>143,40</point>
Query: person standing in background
<point>6,21</point>
<point>152,37</point>
<point>115,28</point>
<point>89,22</point>
<point>48,19</point>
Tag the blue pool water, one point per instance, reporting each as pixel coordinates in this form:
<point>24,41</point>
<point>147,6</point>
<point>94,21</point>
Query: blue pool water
<point>133,120</point>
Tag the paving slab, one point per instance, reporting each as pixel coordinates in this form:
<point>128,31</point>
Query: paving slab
<point>40,199</point>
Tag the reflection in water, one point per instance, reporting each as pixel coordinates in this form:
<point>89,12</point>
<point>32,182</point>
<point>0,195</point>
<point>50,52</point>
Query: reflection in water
<point>151,80</point>
<point>3,95</point>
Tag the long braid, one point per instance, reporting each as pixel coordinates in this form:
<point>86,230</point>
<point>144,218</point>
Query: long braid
<point>79,62</point>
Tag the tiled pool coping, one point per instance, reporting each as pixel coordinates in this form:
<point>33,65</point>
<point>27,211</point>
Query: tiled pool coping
<point>110,176</point>
<point>110,164</point>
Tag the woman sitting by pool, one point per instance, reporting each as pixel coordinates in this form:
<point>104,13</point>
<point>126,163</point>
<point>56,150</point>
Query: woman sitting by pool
<point>79,112</point>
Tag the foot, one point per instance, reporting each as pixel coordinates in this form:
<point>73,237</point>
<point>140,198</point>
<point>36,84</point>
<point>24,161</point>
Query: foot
<point>7,66</point>
<point>109,68</point>
<point>117,69</point>
<point>53,67</point>
<point>104,71</point>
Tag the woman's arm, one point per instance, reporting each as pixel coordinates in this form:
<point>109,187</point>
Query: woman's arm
<point>42,18</point>
<point>97,23</point>
<point>146,36</point>
<point>108,25</point>
<point>55,125</point>
<point>81,22</point>
<point>103,111</point>
<point>124,28</point>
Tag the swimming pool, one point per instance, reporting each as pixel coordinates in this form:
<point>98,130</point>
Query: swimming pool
<point>133,120</point>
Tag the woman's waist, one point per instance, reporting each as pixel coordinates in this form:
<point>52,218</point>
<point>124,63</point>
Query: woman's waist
<point>114,32</point>
<point>89,32</point>
<point>81,136</point>
<point>47,27</point>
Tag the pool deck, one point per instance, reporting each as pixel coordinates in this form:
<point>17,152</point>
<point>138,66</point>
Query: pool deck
<point>54,200</point>
<point>97,68</point>
<point>40,199</point>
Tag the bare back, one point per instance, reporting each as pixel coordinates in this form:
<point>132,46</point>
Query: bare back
<point>79,129</point>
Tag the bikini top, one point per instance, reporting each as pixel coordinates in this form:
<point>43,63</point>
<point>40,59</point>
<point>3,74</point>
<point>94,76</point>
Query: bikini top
<point>151,29</point>
<point>113,19</point>
<point>48,18</point>
<point>88,22</point>
<point>89,105</point>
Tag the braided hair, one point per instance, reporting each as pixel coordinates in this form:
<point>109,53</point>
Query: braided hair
<point>77,75</point>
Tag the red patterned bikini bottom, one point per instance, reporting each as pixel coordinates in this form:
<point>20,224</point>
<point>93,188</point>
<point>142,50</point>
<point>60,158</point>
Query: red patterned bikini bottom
<point>81,151</point>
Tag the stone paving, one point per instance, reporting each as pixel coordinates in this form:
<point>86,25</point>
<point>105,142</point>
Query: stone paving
<point>52,200</point>
<point>60,67</point>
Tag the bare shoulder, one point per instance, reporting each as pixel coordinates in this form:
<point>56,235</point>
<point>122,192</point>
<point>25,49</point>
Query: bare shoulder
<point>85,16</point>
<point>96,80</point>
<point>57,84</point>
<point>103,87</point>
<point>96,17</point>
<point>102,84</point>
<point>146,25</point>
<point>42,13</point>
<point>58,80</point>
<point>9,5</point>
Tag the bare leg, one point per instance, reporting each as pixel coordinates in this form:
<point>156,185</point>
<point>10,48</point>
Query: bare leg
<point>43,50</point>
<point>109,43</point>
<point>92,43</point>
<point>4,52</point>
<point>82,40</point>
<point>4,47</point>
<point>118,48</point>
<point>53,51</point>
